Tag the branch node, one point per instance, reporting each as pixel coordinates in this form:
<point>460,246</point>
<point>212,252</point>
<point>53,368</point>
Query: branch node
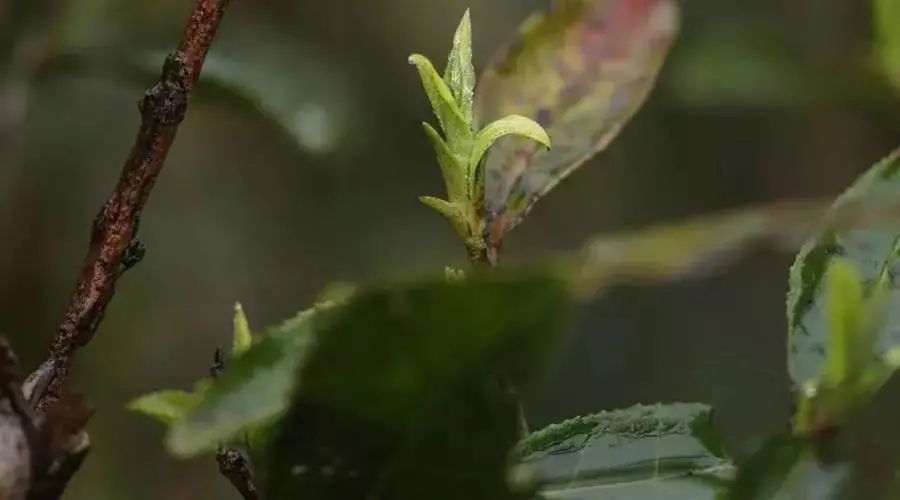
<point>133,255</point>
<point>166,102</point>
<point>234,466</point>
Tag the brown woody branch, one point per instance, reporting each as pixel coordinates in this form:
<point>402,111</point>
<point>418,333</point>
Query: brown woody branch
<point>113,244</point>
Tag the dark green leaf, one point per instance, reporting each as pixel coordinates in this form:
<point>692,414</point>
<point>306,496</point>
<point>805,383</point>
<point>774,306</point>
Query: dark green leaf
<point>580,71</point>
<point>406,395</point>
<point>873,251</point>
<point>784,468</point>
<point>643,453</point>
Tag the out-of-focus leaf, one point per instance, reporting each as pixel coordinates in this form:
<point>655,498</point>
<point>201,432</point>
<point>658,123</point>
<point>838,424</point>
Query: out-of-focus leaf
<point>447,111</point>
<point>784,468</point>
<point>508,125</point>
<point>460,74</point>
<point>658,452</point>
<point>167,407</point>
<point>739,65</point>
<point>887,36</point>
<point>312,98</point>
<point>693,247</point>
<point>703,244</point>
<point>581,71</point>
<point>405,394</point>
<point>872,249</point>
<point>243,339</point>
<point>254,389</point>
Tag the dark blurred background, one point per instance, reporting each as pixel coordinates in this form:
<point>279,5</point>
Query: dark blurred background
<point>300,162</point>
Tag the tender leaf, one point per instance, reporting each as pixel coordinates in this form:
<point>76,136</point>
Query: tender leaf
<point>254,389</point>
<point>460,74</point>
<point>442,101</point>
<point>871,248</point>
<point>508,125</point>
<point>845,308</point>
<point>167,407</point>
<point>853,373</point>
<point>405,395</point>
<point>243,339</point>
<point>784,469</point>
<point>453,170</point>
<point>581,71</point>
<point>448,210</point>
<point>643,453</point>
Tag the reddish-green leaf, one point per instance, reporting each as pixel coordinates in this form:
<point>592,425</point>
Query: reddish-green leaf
<point>581,71</point>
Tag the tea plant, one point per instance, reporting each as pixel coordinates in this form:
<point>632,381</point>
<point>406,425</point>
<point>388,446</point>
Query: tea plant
<point>407,390</point>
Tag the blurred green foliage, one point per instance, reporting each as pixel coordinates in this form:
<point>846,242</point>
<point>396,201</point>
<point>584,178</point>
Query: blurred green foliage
<point>282,212</point>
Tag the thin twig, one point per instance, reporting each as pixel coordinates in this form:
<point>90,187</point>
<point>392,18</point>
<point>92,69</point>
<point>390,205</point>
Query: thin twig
<point>234,466</point>
<point>232,463</point>
<point>113,245</point>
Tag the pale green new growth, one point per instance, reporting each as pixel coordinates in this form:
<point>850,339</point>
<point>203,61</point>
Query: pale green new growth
<point>460,73</point>
<point>242,336</point>
<point>167,407</point>
<point>461,150</point>
<point>512,124</point>
<point>853,369</point>
<point>845,310</point>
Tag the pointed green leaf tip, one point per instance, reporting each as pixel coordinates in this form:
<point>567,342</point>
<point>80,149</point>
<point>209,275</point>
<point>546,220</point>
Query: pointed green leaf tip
<point>510,125</point>
<point>166,407</point>
<point>460,73</point>
<point>242,336</point>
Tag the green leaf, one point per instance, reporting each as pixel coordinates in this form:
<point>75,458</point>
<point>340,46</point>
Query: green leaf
<point>784,468</point>
<point>243,339</point>
<point>254,390</point>
<point>664,451</point>
<point>167,407</point>
<point>460,74</point>
<point>442,101</point>
<point>405,394</point>
<point>873,251</point>
<point>453,170</point>
<point>581,71</point>
<point>509,125</point>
